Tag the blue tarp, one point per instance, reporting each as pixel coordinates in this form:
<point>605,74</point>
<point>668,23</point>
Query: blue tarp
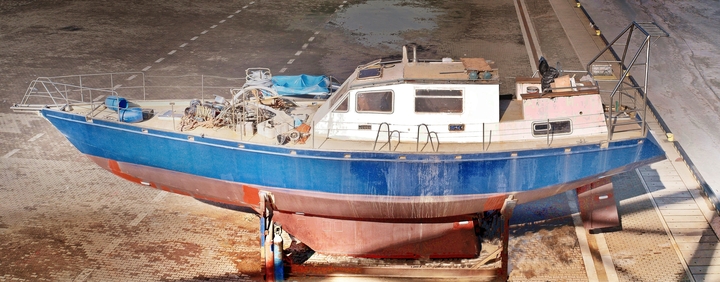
<point>303,84</point>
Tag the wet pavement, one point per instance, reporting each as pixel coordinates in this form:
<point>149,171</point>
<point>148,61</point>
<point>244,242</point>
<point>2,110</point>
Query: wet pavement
<point>64,218</point>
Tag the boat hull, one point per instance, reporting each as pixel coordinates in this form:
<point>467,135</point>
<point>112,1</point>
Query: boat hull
<point>369,186</point>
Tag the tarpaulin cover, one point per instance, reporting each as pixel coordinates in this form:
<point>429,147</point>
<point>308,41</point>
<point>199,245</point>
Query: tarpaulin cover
<point>301,84</point>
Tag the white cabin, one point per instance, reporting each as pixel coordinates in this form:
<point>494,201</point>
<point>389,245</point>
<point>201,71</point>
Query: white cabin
<point>457,100</point>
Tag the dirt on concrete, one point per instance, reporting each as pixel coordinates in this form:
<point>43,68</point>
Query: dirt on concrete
<point>74,221</point>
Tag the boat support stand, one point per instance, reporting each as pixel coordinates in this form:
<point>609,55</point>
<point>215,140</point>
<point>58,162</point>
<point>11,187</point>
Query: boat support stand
<point>598,208</point>
<point>271,242</point>
<point>506,213</point>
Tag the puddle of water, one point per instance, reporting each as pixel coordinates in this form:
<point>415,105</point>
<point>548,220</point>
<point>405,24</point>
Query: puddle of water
<point>378,22</point>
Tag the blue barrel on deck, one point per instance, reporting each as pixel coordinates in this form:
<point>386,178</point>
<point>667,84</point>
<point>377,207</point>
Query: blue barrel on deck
<point>131,115</point>
<point>116,102</point>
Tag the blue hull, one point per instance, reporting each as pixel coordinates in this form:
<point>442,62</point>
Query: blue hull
<point>365,175</point>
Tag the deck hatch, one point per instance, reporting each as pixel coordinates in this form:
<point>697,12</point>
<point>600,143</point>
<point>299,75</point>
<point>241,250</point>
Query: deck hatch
<point>365,127</point>
<point>368,73</point>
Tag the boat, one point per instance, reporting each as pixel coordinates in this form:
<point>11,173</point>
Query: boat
<point>400,159</point>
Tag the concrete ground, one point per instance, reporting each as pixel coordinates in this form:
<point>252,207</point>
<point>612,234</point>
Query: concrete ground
<point>63,218</point>
<point>683,83</point>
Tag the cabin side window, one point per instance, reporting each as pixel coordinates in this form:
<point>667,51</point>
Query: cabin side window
<point>438,101</point>
<point>553,127</point>
<point>343,107</point>
<point>375,102</point>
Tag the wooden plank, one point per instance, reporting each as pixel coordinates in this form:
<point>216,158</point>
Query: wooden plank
<point>671,194</point>
<point>677,206</point>
<point>715,269</point>
<point>663,177</point>
<point>698,246</point>
<point>706,277</point>
<point>684,218</point>
<point>704,261</point>
<point>667,184</point>
<point>703,224</point>
<point>692,231</point>
<point>688,255</point>
<point>692,212</point>
<point>696,239</point>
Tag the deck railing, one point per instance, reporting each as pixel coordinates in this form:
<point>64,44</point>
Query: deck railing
<point>484,134</point>
<point>59,91</point>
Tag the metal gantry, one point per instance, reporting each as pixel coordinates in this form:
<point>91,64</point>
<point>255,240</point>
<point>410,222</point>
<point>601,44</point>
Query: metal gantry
<point>603,70</point>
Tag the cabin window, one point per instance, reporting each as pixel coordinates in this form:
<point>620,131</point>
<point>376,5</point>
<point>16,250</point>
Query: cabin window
<point>438,101</point>
<point>378,102</point>
<point>343,107</point>
<point>553,127</point>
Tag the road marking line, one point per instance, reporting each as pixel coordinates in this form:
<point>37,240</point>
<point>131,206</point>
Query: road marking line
<point>238,11</point>
<point>116,86</point>
<point>36,137</point>
<point>138,218</point>
<point>172,52</point>
<point>290,61</point>
<point>183,45</point>
<point>341,6</point>
<point>305,46</point>
<point>98,98</point>
<point>245,7</point>
<point>213,26</point>
<point>298,53</point>
<point>222,21</point>
<point>311,38</point>
<point>193,39</point>
<point>252,2</point>
<point>230,16</point>
<point>115,242</point>
<point>83,275</point>
<point>132,77</point>
<point>160,196</point>
<point>344,2</point>
<point>316,33</point>
<point>10,153</point>
<point>146,68</point>
<point>282,70</point>
<point>204,32</point>
<point>159,60</point>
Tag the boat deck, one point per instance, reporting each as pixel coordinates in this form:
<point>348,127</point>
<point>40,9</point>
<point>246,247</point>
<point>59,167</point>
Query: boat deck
<point>511,110</point>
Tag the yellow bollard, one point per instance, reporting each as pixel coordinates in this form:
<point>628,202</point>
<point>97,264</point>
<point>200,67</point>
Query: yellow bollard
<point>578,4</point>
<point>597,32</point>
<point>670,137</point>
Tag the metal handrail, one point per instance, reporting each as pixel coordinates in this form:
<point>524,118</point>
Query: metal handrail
<point>390,133</point>
<point>427,140</point>
<point>625,70</point>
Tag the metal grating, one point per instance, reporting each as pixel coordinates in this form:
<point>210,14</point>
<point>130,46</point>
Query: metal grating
<point>651,29</point>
